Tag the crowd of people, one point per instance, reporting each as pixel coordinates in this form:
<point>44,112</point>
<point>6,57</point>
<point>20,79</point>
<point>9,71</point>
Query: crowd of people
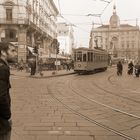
<point>132,68</point>
<point>33,67</point>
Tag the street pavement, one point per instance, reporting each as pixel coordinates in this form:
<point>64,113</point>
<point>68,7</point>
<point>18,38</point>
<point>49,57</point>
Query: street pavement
<point>36,116</point>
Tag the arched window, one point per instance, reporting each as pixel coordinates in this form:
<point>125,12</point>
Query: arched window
<point>8,7</point>
<point>8,14</point>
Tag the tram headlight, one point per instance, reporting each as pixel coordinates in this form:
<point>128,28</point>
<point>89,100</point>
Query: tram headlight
<point>79,65</point>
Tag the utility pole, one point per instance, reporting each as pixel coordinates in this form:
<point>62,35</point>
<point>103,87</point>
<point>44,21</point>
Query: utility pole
<point>36,56</point>
<point>57,52</point>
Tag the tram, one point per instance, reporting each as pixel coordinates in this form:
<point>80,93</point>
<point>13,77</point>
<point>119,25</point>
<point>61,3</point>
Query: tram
<point>88,60</point>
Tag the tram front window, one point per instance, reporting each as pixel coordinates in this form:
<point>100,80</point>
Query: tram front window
<point>79,56</point>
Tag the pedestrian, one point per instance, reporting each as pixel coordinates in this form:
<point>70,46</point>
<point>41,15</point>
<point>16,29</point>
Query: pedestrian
<point>119,68</point>
<point>130,68</point>
<point>137,69</point>
<point>33,67</point>
<point>7,54</point>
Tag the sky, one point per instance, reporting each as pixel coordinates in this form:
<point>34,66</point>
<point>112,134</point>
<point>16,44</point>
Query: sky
<point>78,13</point>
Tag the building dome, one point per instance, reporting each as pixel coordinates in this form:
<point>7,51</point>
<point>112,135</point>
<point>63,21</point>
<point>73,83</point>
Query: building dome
<point>114,19</point>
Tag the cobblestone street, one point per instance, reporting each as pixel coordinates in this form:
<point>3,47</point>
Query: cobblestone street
<point>37,116</point>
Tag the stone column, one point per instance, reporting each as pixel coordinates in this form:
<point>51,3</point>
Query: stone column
<point>22,45</point>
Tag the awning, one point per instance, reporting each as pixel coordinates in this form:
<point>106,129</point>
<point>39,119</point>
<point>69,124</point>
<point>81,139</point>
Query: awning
<point>31,49</point>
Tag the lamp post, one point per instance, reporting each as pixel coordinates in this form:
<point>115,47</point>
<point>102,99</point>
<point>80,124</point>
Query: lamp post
<point>36,51</point>
<point>36,57</point>
<point>57,52</point>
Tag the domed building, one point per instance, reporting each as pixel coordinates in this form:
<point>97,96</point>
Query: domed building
<point>120,40</point>
<point>114,19</point>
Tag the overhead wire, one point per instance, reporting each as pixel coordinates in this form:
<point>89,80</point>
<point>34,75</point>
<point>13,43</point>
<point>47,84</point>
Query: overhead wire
<point>96,15</point>
<point>59,7</point>
<point>71,24</point>
<point>105,7</point>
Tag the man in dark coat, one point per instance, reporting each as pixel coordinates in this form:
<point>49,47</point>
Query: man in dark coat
<point>33,67</point>
<point>130,68</point>
<point>137,69</point>
<point>119,68</point>
<point>7,53</point>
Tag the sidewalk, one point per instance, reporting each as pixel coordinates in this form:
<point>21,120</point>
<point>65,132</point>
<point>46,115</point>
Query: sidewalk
<point>45,74</point>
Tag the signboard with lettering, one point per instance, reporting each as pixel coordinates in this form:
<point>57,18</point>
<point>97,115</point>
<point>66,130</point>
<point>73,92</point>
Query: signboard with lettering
<point>57,62</point>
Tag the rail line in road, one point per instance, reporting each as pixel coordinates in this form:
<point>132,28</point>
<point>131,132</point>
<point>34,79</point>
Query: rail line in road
<point>109,79</point>
<point>93,121</point>
<point>115,109</point>
<point>112,93</point>
<point>108,92</point>
<point>74,91</point>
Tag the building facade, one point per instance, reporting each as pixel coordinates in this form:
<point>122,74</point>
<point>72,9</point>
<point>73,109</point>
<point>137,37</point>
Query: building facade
<point>120,40</point>
<point>28,23</point>
<point>65,38</point>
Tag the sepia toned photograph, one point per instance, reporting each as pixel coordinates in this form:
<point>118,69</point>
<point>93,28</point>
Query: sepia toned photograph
<point>69,70</point>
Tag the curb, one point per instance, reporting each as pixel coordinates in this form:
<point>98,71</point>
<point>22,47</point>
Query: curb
<point>51,76</point>
<point>43,77</point>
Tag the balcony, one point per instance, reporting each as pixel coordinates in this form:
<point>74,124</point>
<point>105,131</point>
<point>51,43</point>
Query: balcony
<point>14,21</point>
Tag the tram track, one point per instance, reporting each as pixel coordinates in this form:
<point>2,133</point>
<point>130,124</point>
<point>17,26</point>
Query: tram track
<point>93,121</point>
<point>105,105</point>
<point>112,93</point>
<point>118,85</point>
<point>74,91</point>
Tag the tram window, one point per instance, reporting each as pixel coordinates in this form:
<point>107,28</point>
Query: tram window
<point>91,57</point>
<point>101,58</point>
<point>94,57</point>
<point>84,57</point>
<point>88,56</point>
<point>97,58</point>
<point>79,56</point>
<point>105,57</point>
<point>74,56</point>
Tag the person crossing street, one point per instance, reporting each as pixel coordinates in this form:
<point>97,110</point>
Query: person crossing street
<point>119,68</point>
